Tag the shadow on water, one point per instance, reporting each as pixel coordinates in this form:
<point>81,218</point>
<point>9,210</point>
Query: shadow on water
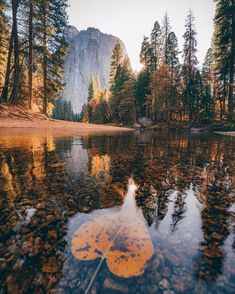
<point>181,216</point>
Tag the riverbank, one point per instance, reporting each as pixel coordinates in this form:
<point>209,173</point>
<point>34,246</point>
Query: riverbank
<point>17,117</point>
<point>13,117</point>
<point>222,128</point>
<point>231,134</point>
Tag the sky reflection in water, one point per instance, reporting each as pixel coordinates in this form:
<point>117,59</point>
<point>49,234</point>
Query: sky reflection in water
<point>51,186</point>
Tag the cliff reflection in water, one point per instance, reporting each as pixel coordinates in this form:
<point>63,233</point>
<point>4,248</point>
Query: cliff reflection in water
<point>185,191</point>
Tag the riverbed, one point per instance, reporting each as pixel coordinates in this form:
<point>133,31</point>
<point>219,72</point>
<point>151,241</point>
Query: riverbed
<point>135,212</point>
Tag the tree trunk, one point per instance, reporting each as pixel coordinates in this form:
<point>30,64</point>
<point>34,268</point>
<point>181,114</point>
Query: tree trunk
<point>231,73</point>
<point>45,57</point>
<point>16,79</point>
<point>4,96</point>
<point>30,72</point>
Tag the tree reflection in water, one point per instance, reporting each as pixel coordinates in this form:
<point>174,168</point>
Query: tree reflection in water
<point>185,192</point>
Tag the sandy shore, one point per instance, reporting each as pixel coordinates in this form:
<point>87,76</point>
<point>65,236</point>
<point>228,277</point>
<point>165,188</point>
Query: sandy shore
<point>58,125</point>
<point>15,117</point>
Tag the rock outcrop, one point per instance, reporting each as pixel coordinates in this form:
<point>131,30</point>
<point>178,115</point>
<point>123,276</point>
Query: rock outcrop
<point>90,53</point>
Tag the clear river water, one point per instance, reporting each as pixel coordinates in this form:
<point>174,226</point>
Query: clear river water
<point>141,212</point>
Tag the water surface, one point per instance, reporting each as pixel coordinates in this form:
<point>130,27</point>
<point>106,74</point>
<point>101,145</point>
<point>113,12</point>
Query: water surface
<point>127,213</point>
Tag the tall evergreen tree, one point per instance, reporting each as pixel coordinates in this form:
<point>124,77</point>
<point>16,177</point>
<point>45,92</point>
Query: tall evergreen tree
<point>173,51</point>
<point>120,73</point>
<point>149,57</point>
<point>159,100</point>
<point>116,59</point>
<point>91,88</point>
<point>30,62</point>
<point>165,39</point>
<point>118,88</point>
<point>224,50</point>
<point>16,75</point>
<point>127,108</point>
<point>141,92</point>
<point>207,101</point>
<point>146,54</point>
<point>63,111</point>
<point>155,45</point>
<point>173,63</point>
<point>52,43</point>
<point>189,66</point>
<point>37,45</point>
<point>4,35</point>
<point>91,94</point>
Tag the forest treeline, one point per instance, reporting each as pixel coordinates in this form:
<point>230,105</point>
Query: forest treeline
<point>32,52</point>
<point>167,89</point>
<point>33,48</point>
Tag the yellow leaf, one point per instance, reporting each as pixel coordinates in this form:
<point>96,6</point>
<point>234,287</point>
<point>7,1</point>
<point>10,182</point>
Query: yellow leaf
<point>121,238</point>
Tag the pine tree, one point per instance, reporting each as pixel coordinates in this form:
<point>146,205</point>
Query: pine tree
<point>30,41</point>
<point>4,35</point>
<point>16,75</point>
<point>142,91</point>
<point>36,51</point>
<point>173,51</point>
<point>119,73</point>
<point>91,88</point>
<point>127,107</point>
<point>52,44</point>
<point>224,50</point>
<point>146,55</point>
<point>149,57</point>
<point>155,45</point>
<point>84,114</point>
<point>173,63</point>
<point>123,74</point>
<point>116,59</point>
<point>96,109</point>
<point>63,110</point>
<point>91,94</point>
<point>207,101</point>
<point>162,50</point>
<point>164,39</point>
<point>101,114</point>
<point>15,83</point>
<point>159,100</point>
<point>197,88</point>
<point>189,66</point>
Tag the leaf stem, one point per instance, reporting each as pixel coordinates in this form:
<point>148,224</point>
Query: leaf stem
<point>101,261</point>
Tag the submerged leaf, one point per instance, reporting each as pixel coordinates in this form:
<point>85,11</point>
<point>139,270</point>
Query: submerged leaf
<point>120,238</point>
<point>126,246</point>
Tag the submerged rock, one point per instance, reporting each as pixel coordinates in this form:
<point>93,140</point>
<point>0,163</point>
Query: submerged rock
<point>164,284</point>
<point>112,285</point>
<point>51,266</point>
<point>195,130</point>
<point>174,260</point>
<point>181,284</point>
<point>137,126</point>
<point>145,122</point>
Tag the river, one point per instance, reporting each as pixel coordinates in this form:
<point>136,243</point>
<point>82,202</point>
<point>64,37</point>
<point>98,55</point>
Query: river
<point>141,212</point>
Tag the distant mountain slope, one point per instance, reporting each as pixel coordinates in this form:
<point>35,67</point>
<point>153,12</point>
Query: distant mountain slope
<point>90,52</point>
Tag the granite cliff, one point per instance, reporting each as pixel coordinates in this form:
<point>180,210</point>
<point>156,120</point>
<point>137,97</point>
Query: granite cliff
<point>90,53</point>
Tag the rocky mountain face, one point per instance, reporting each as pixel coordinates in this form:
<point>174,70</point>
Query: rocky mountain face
<point>90,53</point>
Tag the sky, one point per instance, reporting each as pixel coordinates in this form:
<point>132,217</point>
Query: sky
<point>131,20</point>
